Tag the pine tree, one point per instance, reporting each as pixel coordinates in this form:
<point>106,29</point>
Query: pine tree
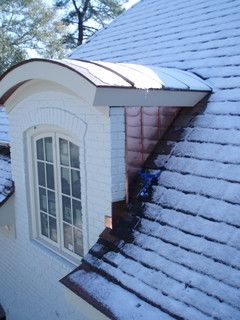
<point>28,24</point>
<point>85,17</point>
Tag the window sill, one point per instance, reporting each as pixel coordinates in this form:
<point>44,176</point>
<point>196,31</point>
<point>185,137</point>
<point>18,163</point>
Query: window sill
<point>66,259</point>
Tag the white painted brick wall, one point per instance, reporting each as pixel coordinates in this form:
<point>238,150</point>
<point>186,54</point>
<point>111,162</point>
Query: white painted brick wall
<point>117,117</point>
<point>29,272</point>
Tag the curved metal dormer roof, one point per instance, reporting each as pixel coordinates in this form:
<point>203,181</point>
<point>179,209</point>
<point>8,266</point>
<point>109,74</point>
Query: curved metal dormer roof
<point>113,84</point>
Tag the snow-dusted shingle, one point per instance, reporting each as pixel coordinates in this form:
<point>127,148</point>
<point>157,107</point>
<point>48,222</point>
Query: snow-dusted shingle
<point>4,126</point>
<point>181,259</point>
<point>6,183</point>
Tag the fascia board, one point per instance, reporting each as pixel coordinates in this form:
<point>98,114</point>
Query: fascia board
<point>147,98</point>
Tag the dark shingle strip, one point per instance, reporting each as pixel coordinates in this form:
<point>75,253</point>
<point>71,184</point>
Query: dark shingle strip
<point>188,277</point>
<point>193,278</point>
<point>167,285</point>
<point>193,248</point>
<point>208,187</point>
<point>177,310</point>
<point>192,261</point>
<point>214,250</point>
<point>4,127</point>
<point>209,210</point>
<point>6,183</point>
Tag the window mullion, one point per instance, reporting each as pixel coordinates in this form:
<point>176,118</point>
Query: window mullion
<point>58,191</point>
<point>62,242</point>
<point>45,171</point>
<point>36,190</point>
<point>71,202</point>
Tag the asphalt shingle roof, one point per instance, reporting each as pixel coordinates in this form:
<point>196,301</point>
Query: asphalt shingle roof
<point>182,260</point>
<point>6,183</point>
<point>4,126</point>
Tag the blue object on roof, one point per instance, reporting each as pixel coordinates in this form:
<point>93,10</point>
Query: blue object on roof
<point>147,180</point>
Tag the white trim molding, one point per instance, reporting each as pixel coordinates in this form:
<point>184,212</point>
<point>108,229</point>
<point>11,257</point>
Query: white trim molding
<point>36,134</point>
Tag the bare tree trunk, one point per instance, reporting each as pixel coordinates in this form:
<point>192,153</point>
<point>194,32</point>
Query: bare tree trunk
<point>80,31</point>
<point>88,10</point>
<point>80,22</point>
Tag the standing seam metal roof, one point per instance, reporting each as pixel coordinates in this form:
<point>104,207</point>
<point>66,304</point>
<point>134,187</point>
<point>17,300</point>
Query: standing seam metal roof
<point>139,76</point>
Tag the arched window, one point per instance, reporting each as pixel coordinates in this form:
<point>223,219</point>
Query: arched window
<point>57,184</point>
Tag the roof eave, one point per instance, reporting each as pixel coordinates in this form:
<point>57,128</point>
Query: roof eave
<point>8,196</point>
<point>92,90</point>
<point>132,97</point>
<point>83,294</point>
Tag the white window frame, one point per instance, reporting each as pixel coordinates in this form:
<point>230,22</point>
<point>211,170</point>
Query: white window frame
<point>33,135</point>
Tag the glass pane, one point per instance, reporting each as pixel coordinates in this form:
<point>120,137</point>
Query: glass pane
<point>78,242</point>
<point>40,153</point>
<point>74,155</point>
<point>49,149</point>
<point>53,229</point>
<point>68,240</point>
<point>65,180</point>
<point>76,191</point>
<point>64,154</point>
<point>44,225</point>
<point>41,174</point>
<point>50,176</point>
<point>66,207</point>
<point>77,213</point>
<point>43,199</point>
<point>51,203</point>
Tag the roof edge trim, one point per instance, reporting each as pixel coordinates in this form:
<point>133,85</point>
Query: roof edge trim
<point>106,84</point>
<point>50,70</point>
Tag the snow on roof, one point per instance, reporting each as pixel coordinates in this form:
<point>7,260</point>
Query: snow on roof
<point>6,183</point>
<point>182,259</point>
<point>138,76</point>
<point>101,83</point>
<point>4,124</point>
<point>183,256</point>
<point>199,43</point>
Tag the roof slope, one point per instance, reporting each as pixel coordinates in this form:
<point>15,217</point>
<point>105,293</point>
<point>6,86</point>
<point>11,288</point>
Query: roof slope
<point>172,35</point>
<point>6,183</point>
<point>183,258</point>
<point>4,126</point>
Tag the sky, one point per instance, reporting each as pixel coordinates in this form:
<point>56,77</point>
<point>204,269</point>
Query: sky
<point>131,3</point>
<point>127,5</point>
